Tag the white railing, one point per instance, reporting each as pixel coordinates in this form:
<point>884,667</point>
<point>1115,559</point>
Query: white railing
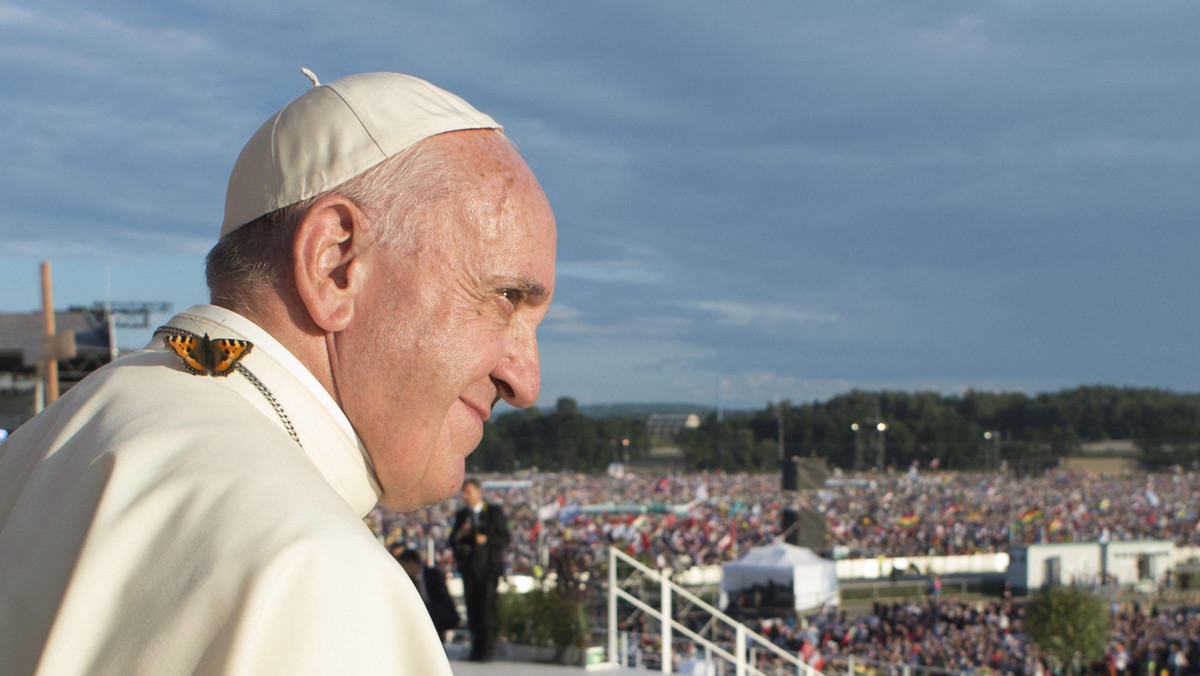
<point>744,636</point>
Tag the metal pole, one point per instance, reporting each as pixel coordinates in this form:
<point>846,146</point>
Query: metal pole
<point>781,413</point>
<point>612,605</point>
<point>881,427</point>
<point>858,453</point>
<point>739,650</point>
<point>665,586</point>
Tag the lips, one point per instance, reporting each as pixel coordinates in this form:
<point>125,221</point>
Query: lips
<point>481,412</point>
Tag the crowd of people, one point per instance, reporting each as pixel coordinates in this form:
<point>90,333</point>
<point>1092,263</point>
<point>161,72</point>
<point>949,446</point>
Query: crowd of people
<point>984,637</point>
<point>937,636</point>
<point>682,520</point>
<point>707,518</point>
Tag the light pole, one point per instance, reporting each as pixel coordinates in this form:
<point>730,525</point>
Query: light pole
<point>882,427</point>
<point>994,448</point>
<point>857,448</point>
<point>780,412</point>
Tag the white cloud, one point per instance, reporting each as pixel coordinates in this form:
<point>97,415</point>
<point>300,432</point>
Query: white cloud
<point>99,47</point>
<point>962,33</point>
<point>762,315</point>
<point>610,272</point>
<point>569,320</point>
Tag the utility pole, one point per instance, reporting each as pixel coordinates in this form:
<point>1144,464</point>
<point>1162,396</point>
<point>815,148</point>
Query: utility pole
<point>47,349</point>
<point>50,364</point>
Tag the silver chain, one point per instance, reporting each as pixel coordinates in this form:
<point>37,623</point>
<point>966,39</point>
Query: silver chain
<point>249,375</point>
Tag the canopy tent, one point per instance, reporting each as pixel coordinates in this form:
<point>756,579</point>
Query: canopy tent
<point>811,579</point>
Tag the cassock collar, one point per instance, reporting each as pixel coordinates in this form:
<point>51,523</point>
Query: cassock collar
<point>327,437</point>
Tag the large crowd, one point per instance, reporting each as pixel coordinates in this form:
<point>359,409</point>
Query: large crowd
<point>936,636</point>
<point>706,518</point>
<point>977,637</point>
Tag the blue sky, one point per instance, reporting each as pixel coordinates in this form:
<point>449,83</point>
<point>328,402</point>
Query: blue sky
<point>776,199</point>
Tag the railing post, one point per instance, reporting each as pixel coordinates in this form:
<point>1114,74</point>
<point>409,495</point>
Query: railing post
<point>612,605</point>
<point>667,658</point>
<point>739,649</point>
<point>850,665</point>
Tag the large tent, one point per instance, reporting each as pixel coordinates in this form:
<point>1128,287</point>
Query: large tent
<point>812,579</point>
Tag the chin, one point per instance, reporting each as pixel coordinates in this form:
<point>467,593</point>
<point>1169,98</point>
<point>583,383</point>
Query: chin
<point>448,481</point>
<point>444,485</point>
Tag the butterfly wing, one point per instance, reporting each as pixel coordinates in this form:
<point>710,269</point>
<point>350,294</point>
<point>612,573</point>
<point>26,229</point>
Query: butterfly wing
<point>188,349</point>
<point>226,353</point>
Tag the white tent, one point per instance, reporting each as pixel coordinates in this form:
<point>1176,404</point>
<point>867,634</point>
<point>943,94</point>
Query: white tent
<point>813,579</point>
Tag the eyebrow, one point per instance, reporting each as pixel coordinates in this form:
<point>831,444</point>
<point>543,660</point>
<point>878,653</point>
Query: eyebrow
<point>529,287</point>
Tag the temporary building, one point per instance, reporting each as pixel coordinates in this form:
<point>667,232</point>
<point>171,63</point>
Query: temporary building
<point>812,579</point>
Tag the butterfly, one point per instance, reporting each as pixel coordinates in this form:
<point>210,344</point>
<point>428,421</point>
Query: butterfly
<point>203,356</point>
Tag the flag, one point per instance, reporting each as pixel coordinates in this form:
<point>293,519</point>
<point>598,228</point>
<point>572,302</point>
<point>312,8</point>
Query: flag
<point>547,511</point>
<point>909,521</point>
<point>727,540</point>
<point>568,511</point>
<point>1029,516</point>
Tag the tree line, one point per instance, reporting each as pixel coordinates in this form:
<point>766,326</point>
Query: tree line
<point>974,430</point>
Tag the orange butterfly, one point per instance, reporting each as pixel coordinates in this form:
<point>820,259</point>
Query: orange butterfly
<point>203,356</point>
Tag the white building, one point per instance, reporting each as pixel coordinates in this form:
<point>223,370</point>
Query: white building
<point>1136,562</point>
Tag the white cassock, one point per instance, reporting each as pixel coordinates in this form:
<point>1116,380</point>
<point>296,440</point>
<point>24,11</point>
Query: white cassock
<point>153,521</point>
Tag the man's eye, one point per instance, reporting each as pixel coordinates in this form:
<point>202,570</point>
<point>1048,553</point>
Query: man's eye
<point>513,295</point>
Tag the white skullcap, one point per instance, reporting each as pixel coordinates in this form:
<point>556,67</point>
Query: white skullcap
<point>335,132</point>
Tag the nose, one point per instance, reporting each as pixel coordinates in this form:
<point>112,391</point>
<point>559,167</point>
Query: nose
<point>518,376</point>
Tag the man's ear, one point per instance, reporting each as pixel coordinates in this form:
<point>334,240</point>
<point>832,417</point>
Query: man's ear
<point>327,260</point>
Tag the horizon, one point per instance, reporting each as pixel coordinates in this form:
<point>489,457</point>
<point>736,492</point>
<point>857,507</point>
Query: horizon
<point>712,408</point>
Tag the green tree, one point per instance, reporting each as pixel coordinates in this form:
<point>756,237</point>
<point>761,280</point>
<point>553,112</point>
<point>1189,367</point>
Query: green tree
<point>1063,621</point>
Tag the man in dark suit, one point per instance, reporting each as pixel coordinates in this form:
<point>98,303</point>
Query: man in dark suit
<point>479,539</point>
<point>431,584</point>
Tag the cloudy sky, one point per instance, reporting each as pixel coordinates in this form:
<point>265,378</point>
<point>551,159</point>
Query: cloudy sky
<point>770,199</point>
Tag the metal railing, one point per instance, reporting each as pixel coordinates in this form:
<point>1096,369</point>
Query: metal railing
<point>744,638</point>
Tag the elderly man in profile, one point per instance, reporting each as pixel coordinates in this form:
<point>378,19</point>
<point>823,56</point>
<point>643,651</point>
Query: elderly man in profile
<point>385,259</point>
